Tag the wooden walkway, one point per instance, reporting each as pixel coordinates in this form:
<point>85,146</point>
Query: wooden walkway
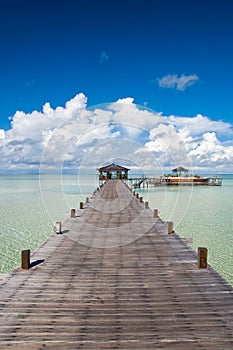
<point>89,289</point>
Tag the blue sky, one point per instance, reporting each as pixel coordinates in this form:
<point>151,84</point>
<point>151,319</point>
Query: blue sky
<point>173,56</point>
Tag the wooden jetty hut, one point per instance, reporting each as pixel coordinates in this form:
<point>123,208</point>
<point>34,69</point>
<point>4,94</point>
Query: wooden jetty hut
<point>113,171</point>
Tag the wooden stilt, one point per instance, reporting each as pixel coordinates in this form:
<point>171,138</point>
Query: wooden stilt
<point>58,227</point>
<point>25,259</point>
<point>202,257</point>
<point>170,227</point>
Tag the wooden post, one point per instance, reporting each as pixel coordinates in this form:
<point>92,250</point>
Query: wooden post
<point>156,213</point>
<point>137,195</point>
<point>170,227</point>
<point>146,205</point>
<point>58,227</point>
<point>141,199</point>
<point>202,257</point>
<point>87,200</point>
<point>72,214</point>
<point>25,259</point>
<point>81,205</point>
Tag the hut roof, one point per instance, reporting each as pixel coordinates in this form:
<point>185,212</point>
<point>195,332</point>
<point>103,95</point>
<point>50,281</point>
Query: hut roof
<point>179,169</point>
<point>113,167</point>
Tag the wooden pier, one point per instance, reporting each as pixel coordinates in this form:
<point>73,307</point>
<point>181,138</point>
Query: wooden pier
<point>115,279</point>
<point>138,182</point>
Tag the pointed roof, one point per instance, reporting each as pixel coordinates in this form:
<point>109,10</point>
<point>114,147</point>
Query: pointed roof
<point>180,169</point>
<point>113,167</point>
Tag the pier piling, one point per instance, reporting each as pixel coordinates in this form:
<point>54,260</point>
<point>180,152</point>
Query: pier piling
<point>58,227</point>
<point>25,259</point>
<point>202,257</point>
<point>170,227</point>
<point>72,214</point>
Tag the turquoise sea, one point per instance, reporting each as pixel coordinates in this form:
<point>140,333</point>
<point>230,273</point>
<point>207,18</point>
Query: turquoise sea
<point>31,204</point>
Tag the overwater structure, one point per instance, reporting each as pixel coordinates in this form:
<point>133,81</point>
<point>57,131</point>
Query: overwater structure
<point>113,171</point>
<point>179,176</point>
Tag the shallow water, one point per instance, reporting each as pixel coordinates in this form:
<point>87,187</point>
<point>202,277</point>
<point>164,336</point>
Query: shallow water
<point>29,207</point>
<point>30,204</point>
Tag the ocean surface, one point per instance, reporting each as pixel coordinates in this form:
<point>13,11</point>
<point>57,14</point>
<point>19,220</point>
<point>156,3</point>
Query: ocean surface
<point>31,204</point>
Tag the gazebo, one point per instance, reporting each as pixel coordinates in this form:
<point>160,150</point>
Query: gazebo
<point>113,171</point>
<point>179,171</point>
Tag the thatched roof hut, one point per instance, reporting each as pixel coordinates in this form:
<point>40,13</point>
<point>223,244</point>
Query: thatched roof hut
<point>179,171</point>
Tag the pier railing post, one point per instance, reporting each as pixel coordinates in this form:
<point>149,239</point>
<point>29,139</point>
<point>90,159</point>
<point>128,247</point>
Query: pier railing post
<point>156,213</point>
<point>81,205</point>
<point>58,227</point>
<point>72,214</point>
<point>25,259</point>
<point>146,205</point>
<point>202,257</point>
<point>170,227</point>
<point>141,199</point>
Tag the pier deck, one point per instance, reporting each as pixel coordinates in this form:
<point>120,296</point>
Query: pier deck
<point>114,279</point>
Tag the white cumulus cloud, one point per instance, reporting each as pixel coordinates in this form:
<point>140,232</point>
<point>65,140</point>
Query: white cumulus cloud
<point>211,151</point>
<point>199,124</point>
<point>74,136</point>
<point>2,134</point>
